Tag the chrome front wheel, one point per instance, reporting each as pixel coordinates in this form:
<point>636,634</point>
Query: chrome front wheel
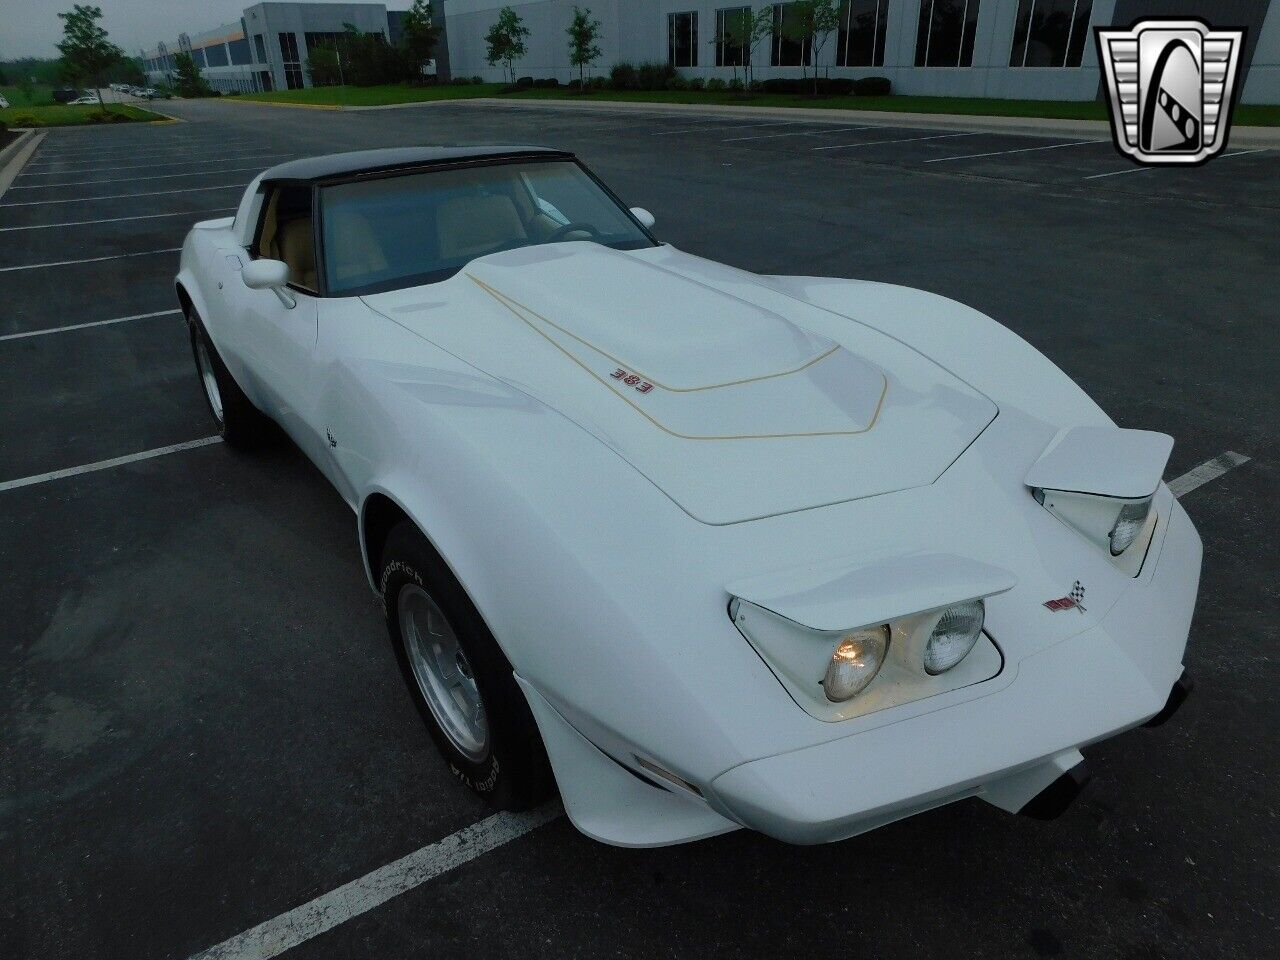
<point>442,671</point>
<point>210,380</point>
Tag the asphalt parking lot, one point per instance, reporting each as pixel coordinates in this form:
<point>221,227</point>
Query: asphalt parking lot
<point>204,727</point>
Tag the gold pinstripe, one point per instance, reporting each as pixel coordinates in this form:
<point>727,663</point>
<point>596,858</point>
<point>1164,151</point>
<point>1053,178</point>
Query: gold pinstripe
<point>644,376</point>
<point>508,303</point>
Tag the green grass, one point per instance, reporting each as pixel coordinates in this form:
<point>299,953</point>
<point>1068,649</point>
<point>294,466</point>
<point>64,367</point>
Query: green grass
<point>61,115</point>
<point>375,96</point>
<point>39,96</point>
<point>1248,115</point>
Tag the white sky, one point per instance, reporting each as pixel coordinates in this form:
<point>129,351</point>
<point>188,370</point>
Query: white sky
<point>30,28</point>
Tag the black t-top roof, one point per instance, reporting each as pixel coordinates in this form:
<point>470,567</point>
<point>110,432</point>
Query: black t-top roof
<point>396,158</point>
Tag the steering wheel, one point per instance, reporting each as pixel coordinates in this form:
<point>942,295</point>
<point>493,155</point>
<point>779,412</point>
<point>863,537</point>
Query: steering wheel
<point>561,232</point>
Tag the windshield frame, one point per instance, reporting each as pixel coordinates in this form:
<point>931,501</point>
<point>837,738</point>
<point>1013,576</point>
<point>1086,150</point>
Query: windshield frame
<point>404,283</point>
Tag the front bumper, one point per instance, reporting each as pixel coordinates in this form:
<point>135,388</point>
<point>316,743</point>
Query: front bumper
<point>1006,747</point>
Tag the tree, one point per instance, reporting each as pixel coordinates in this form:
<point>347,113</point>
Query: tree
<point>745,28</point>
<point>506,40</point>
<point>370,60</point>
<point>324,66</point>
<point>86,52</point>
<point>187,81</point>
<point>811,24</point>
<point>419,35</point>
<point>584,50</point>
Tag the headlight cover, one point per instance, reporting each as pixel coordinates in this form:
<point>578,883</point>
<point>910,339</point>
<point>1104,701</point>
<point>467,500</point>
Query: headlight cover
<point>1111,523</point>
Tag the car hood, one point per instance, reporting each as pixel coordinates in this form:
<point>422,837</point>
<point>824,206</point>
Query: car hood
<point>736,400</point>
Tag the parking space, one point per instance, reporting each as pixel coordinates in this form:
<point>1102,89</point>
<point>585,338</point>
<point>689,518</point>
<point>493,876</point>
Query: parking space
<point>206,730</point>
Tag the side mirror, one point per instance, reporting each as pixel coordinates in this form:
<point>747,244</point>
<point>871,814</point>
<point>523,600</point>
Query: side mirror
<point>644,216</point>
<point>265,274</point>
<point>270,275</point>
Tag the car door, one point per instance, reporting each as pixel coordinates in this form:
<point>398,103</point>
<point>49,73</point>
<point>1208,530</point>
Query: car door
<point>277,329</point>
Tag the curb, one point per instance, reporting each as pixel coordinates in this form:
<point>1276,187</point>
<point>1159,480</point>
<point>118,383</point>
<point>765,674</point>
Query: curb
<point>15,156</point>
<point>296,106</point>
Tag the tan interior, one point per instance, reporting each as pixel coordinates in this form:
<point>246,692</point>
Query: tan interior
<point>291,241</point>
<point>472,226</point>
<point>351,248</point>
<point>297,248</point>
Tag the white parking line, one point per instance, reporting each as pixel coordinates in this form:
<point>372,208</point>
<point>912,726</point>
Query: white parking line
<point>157,176</point>
<point>124,196</point>
<point>67,263</point>
<point>799,133</point>
<point>1116,173</point>
<point>997,153</point>
<point>1209,470</point>
<point>872,143</point>
<point>81,326</point>
<point>106,464</point>
<point>144,216</point>
<point>274,937</point>
<point>153,165</point>
<point>725,126</point>
<point>123,151</point>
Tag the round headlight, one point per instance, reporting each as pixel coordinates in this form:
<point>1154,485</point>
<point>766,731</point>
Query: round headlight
<point>855,662</point>
<point>954,636</point>
<point>1132,518</point>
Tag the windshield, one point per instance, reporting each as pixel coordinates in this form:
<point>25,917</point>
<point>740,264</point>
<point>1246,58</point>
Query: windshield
<point>402,231</point>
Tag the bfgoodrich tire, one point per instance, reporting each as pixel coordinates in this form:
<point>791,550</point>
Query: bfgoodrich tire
<point>239,422</point>
<point>459,679</point>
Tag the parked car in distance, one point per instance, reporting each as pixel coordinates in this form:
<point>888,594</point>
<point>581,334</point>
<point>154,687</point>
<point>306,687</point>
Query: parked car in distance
<point>3,103</point>
<point>88,100</point>
<point>65,95</point>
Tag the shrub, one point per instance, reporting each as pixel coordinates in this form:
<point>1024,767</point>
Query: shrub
<point>872,87</point>
<point>550,83</point>
<point>622,76</point>
<point>25,120</point>
<point>654,76</point>
<point>736,84</point>
<point>477,80</point>
<point>697,83</point>
<point>840,86</point>
<point>715,83</point>
<point>460,81</point>
<point>597,83</point>
<point>677,83</point>
<point>522,82</point>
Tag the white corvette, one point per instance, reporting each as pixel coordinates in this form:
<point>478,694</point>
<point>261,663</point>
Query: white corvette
<point>717,550</point>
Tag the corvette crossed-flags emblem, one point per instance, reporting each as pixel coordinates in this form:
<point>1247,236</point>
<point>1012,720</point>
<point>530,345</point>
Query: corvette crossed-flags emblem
<point>1073,600</point>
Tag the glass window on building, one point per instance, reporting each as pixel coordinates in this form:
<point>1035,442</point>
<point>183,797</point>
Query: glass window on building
<point>1050,33</point>
<point>198,56</point>
<point>331,40</point>
<point>240,52</point>
<point>946,34</point>
<point>261,47</point>
<point>215,56</point>
<point>787,52</point>
<point>860,42</point>
<point>728,53</point>
<point>682,39</point>
<point>292,65</point>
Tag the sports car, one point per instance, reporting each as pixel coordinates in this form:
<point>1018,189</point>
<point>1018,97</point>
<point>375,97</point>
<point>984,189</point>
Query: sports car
<point>701,548</point>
